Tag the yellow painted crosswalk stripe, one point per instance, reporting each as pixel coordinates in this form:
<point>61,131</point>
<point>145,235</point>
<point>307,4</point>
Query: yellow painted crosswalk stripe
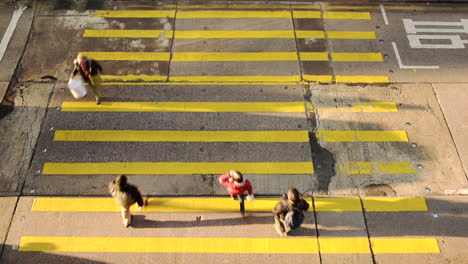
<point>361,79</point>
<point>170,245</point>
<point>163,204</point>
<point>382,167</point>
<point>172,168</point>
<point>404,246</point>
<point>181,136</point>
<point>224,204</point>
<point>236,245</point>
<point>394,204</point>
<point>135,13</point>
<point>183,14</point>
<point>287,107</point>
<point>133,77</point>
<point>237,79</point>
<point>363,136</point>
<point>232,56</point>
<point>332,15</point>
<point>127,56</point>
<point>360,107</point>
<point>219,34</point>
<point>354,56</point>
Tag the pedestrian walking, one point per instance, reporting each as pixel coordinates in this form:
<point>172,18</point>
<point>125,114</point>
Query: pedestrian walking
<point>89,70</point>
<point>125,196</point>
<point>288,212</point>
<point>237,186</point>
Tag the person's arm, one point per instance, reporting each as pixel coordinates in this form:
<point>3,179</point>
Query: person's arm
<point>74,72</point>
<point>224,179</point>
<point>278,209</point>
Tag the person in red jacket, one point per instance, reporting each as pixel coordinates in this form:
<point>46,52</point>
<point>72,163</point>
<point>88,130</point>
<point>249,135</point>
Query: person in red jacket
<point>236,187</point>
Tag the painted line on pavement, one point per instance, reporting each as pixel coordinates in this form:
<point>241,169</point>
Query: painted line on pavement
<point>407,67</point>
<point>170,245</point>
<point>361,136</point>
<point>394,204</point>
<point>220,34</point>
<point>404,246</point>
<point>10,30</point>
<point>332,15</point>
<point>384,14</point>
<point>379,167</point>
<point>133,77</point>
<point>180,136</point>
<point>236,245</point>
<point>222,204</point>
<point>232,107</point>
<point>359,107</point>
<point>361,79</point>
<point>234,56</point>
<point>238,79</point>
<point>183,14</point>
<point>175,168</point>
<point>163,204</point>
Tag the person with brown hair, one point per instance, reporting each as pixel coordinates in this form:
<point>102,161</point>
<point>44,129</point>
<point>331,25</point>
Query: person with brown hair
<point>89,70</point>
<point>288,212</point>
<point>125,196</point>
<point>237,186</point>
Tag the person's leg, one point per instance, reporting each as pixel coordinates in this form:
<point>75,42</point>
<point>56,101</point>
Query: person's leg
<point>126,216</point>
<point>279,226</point>
<point>96,84</point>
<point>241,203</point>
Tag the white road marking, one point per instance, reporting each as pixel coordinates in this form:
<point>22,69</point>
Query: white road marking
<point>384,14</point>
<point>411,26</point>
<point>455,42</point>
<point>9,31</point>
<point>406,67</point>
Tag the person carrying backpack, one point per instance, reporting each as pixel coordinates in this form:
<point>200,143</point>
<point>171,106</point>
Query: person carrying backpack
<point>89,70</point>
<point>125,196</point>
<point>289,212</point>
<point>237,187</point>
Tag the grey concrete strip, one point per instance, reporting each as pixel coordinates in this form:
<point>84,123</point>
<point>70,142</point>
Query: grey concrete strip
<point>20,130</point>
<point>445,221</point>
<point>453,100</point>
<point>255,225</point>
<point>419,114</point>
<point>7,207</point>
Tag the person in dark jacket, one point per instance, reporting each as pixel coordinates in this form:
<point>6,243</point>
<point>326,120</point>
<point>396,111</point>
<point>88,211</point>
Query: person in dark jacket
<point>237,186</point>
<point>288,212</point>
<point>89,70</point>
<point>125,196</point>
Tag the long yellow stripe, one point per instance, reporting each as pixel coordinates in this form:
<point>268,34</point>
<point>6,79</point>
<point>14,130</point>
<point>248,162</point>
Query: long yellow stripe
<point>287,107</point>
<point>383,167</point>
<point>356,56</point>
<point>181,136</point>
<point>182,83</point>
<point>363,136</point>
<point>332,204</point>
<point>170,245</point>
<point>134,13</point>
<point>133,77</point>
<point>332,15</point>
<point>344,245</point>
<point>314,56</point>
<point>218,34</point>
<point>394,204</point>
<point>319,78</point>
<point>126,33</point>
<point>361,107</point>
<point>232,14</point>
<point>234,56</point>
<point>404,246</point>
<point>127,56</point>
<point>361,79</point>
<point>165,204</point>
<point>164,168</point>
<point>236,245</point>
<point>240,79</point>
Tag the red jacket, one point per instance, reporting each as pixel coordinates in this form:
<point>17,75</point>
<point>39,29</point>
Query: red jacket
<point>235,188</point>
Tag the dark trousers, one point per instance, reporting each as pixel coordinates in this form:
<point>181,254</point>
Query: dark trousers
<point>241,198</point>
